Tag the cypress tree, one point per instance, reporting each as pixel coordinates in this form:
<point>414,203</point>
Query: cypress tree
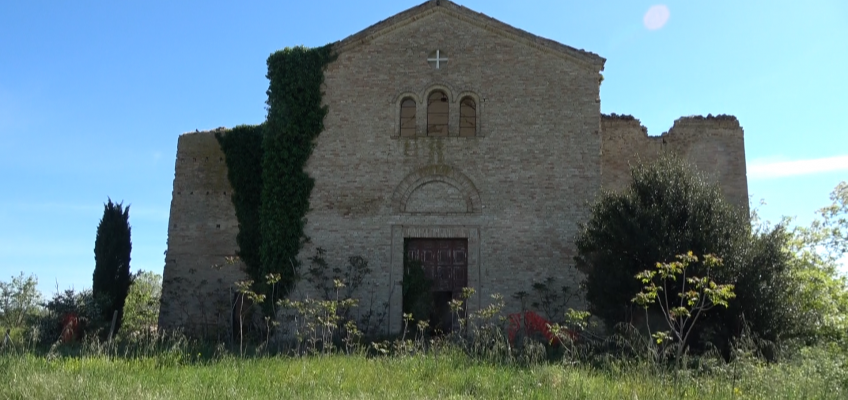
<point>112,248</point>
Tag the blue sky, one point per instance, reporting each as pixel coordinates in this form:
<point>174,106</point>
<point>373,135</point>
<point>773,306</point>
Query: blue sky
<point>93,96</point>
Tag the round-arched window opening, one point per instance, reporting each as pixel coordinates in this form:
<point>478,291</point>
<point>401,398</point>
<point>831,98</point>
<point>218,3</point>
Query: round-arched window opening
<point>437,114</point>
<point>407,117</point>
<point>467,117</point>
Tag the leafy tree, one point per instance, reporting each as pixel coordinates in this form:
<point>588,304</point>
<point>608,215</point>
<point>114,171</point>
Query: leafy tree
<point>835,221</point>
<point>141,310</point>
<point>821,292</point>
<point>19,300</point>
<point>112,247</point>
<point>670,209</point>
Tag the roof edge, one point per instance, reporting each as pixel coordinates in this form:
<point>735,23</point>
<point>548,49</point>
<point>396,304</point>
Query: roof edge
<point>480,20</point>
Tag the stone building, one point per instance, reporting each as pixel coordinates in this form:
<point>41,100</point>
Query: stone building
<point>476,144</point>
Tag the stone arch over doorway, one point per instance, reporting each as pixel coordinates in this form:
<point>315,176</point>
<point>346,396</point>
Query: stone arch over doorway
<point>443,183</point>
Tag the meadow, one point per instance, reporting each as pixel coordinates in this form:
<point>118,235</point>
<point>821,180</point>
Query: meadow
<point>189,372</point>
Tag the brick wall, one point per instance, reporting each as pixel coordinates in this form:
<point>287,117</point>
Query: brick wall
<point>534,165</point>
<point>516,191</point>
<point>713,144</point>
<point>202,231</point>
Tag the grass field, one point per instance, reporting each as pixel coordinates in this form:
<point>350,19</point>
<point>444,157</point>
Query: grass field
<point>446,375</point>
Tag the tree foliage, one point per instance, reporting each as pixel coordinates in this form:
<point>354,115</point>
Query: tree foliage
<point>141,310</point>
<point>112,247</point>
<point>19,301</point>
<point>821,293</point>
<point>670,209</point>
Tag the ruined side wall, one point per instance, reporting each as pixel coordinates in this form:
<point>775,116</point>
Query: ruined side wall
<point>201,232</point>
<point>715,145</point>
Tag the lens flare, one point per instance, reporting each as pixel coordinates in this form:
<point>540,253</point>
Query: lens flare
<point>656,17</point>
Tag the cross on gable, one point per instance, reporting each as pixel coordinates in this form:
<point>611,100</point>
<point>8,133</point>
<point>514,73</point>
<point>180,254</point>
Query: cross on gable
<point>437,59</point>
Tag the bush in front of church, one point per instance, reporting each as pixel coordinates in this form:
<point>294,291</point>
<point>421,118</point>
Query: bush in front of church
<point>670,209</point>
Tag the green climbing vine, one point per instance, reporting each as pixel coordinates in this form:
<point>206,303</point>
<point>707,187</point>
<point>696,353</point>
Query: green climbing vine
<point>265,167</point>
<point>295,118</point>
<point>242,147</point>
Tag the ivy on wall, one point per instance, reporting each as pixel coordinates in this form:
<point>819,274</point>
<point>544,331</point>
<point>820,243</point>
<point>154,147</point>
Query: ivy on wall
<point>265,167</point>
<point>295,118</point>
<point>242,147</point>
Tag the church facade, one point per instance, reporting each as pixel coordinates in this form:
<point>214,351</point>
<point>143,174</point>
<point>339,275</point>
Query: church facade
<point>469,144</point>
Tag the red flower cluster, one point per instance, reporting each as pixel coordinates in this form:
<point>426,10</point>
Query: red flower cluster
<point>70,328</point>
<point>531,323</point>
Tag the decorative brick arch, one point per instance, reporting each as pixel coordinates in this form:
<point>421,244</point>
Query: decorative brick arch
<point>437,173</point>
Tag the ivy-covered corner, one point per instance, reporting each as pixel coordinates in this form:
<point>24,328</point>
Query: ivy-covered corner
<point>265,167</point>
<point>242,147</point>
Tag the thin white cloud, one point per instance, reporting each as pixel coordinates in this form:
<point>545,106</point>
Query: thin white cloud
<point>769,169</point>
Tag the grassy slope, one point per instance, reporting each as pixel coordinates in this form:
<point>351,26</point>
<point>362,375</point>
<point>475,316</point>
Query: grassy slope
<point>449,376</point>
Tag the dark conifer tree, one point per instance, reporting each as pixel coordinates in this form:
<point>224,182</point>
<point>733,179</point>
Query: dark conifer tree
<point>112,248</point>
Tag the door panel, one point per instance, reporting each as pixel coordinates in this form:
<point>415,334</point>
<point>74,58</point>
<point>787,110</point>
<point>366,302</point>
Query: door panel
<point>445,261</point>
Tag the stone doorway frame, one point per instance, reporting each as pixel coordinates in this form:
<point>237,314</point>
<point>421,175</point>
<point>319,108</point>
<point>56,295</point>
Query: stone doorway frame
<point>401,232</point>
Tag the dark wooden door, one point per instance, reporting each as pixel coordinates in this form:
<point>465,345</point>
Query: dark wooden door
<point>445,262</point>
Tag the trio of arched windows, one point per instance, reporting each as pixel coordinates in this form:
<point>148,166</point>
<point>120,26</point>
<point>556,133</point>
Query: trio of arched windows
<point>438,115</point>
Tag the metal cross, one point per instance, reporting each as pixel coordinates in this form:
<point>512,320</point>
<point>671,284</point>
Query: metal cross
<point>438,59</point>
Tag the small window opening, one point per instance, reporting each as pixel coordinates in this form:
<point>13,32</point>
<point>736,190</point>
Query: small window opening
<point>407,117</point>
<point>467,117</point>
<point>437,114</point>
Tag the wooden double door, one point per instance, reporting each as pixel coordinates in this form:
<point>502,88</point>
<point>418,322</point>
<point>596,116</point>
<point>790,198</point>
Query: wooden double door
<point>445,264</point>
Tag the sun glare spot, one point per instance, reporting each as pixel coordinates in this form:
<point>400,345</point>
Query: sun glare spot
<point>656,17</point>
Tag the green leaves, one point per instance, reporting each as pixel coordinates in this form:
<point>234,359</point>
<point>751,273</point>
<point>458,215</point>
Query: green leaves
<point>670,209</point>
<point>19,300</point>
<point>141,311</point>
<point>820,294</point>
<point>242,147</point>
<point>295,118</point>
<point>701,295</point>
<point>265,167</point>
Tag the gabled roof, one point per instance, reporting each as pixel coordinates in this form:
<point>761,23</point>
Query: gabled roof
<point>472,17</point>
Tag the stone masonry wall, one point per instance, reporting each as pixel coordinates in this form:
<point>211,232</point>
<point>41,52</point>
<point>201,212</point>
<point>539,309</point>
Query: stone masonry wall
<point>516,191</point>
<point>202,231</point>
<point>713,144</point>
<point>533,166</point>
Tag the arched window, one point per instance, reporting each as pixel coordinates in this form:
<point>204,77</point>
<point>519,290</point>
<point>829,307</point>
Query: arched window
<point>407,117</point>
<point>467,117</point>
<point>437,114</point>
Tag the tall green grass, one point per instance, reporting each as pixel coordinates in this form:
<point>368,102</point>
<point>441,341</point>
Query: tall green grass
<point>444,374</point>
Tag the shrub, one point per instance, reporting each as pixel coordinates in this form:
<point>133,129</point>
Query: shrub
<point>82,305</point>
<point>141,311</point>
<point>19,301</point>
<point>670,209</point>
